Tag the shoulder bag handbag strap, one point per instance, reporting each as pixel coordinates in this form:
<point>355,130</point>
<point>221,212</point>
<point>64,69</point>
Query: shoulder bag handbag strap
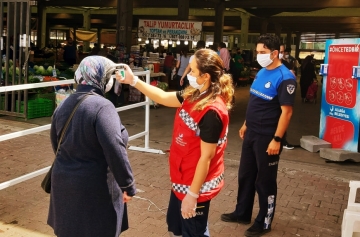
<point>68,122</point>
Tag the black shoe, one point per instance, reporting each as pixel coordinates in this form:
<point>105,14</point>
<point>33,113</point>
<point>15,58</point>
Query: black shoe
<point>231,217</point>
<point>255,231</point>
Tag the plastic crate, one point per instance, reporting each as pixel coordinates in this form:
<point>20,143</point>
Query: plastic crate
<point>49,96</point>
<point>37,108</point>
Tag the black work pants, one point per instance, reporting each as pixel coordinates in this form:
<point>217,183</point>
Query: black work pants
<point>257,172</point>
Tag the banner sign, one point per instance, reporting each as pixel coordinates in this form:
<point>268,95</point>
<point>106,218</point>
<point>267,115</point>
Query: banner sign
<point>340,104</point>
<point>174,30</point>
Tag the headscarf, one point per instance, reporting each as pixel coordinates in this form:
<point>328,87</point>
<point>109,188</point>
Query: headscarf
<point>96,72</point>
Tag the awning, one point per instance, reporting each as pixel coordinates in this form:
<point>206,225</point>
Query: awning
<point>82,35</point>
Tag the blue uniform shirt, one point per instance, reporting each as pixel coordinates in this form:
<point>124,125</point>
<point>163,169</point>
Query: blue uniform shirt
<point>270,90</point>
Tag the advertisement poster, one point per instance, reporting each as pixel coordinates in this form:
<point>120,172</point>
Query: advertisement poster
<point>340,106</point>
<point>174,30</point>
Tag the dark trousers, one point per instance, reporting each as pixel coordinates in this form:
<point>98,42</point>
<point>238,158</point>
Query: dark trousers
<point>304,86</point>
<point>257,172</point>
<point>193,227</point>
<point>185,84</point>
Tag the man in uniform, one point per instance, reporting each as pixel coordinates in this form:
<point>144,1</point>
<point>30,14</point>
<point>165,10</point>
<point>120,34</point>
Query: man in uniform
<point>268,114</point>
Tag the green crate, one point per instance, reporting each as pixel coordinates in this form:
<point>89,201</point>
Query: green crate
<point>2,102</point>
<point>49,96</point>
<point>37,108</point>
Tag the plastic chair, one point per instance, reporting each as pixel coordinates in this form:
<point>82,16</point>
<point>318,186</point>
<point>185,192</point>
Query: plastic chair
<point>351,217</point>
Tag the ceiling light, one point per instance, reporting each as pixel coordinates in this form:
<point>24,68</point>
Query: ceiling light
<point>186,42</point>
<point>146,41</point>
<point>178,42</point>
<point>170,42</point>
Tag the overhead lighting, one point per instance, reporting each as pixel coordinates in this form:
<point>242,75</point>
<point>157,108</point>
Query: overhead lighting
<point>139,39</point>
<point>170,42</point>
<point>146,41</point>
<point>186,42</point>
<point>178,42</point>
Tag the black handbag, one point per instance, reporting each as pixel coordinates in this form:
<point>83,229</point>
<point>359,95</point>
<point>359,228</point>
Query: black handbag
<point>46,183</point>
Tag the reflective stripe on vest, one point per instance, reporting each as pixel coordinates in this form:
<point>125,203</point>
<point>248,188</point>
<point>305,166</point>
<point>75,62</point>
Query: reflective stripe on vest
<point>191,124</point>
<point>206,187</point>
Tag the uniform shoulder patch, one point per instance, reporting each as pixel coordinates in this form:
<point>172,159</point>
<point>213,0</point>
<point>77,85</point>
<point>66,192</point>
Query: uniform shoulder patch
<point>290,89</point>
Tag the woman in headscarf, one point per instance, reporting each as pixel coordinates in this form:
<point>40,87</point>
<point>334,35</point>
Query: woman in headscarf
<point>91,178</point>
<point>199,140</point>
<point>307,75</point>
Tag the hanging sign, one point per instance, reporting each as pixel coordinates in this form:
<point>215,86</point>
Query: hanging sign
<point>174,30</point>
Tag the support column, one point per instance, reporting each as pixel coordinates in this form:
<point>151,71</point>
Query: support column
<point>121,22</point>
<point>87,26</point>
<point>278,28</point>
<point>43,28</point>
<point>219,22</point>
<point>297,43</point>
<point>245,17</point>
<point>264,25</point>
<point>40,9</point>
<point>129,18</point>
<point>288,40</point>
<point>124,22</point>
<point>99,36</point>
<point>183,10</point>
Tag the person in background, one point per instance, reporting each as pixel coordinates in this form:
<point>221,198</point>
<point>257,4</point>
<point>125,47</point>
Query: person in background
<point>238,65</point>
<point>307,75</point>
<point>91,178</point>
<point>181,65</point>
<point>225,56</point>
<point>168,65</point>
<point>103,51</point>
<point>200,45</point>
<point>70,55</point>
<point>119,53</point>
<point>199,140</point>
<point>292,62</point>
<point>286,144</point>
<point>272,95</point>
<point>95,50</point>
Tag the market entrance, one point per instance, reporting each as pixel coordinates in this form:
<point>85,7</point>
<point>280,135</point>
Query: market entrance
<point>15,50</point>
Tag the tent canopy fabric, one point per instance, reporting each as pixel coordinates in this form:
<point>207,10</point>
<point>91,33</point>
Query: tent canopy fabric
<point>82,35</point>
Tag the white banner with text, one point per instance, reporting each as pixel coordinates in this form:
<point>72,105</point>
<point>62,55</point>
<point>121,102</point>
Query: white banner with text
<point>174,30</point>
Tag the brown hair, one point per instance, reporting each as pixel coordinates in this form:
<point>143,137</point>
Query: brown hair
<point>208,61</point>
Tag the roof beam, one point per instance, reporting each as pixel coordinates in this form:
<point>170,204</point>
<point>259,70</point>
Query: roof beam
<point>330,12</point>
<point>288,4</point>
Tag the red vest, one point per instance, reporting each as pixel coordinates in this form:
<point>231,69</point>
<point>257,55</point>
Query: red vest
<point>185,151</point>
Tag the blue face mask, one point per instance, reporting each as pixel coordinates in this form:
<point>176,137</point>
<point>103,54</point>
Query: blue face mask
<point>193,83</point>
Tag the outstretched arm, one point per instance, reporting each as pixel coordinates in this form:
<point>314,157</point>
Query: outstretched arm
<point>162,97</point>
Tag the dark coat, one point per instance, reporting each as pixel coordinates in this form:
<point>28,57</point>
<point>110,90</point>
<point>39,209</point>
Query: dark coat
<point>91,164</point>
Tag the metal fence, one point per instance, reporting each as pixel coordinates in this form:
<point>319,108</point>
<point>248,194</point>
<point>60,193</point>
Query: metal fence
<point>15,50</point>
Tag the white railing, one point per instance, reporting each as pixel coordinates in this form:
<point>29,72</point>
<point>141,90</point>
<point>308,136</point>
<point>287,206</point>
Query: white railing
<point>145,133</point>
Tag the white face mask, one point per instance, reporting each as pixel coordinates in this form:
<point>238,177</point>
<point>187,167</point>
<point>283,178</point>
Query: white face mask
<point>264,59</point>
<point>281,55</point>
<point>109,84</point>
<point>193,83</point>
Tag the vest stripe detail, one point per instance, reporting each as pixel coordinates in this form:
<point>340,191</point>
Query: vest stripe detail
<point>222,140</point>
<point>260,94</point>
<point>188,120</point>
<point>206,187</point>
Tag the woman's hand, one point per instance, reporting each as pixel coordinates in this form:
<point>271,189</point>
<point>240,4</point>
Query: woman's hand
<point>126,198</point>
<point>188,206</point>
<point>181,81</point>
<point>129,75</point>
